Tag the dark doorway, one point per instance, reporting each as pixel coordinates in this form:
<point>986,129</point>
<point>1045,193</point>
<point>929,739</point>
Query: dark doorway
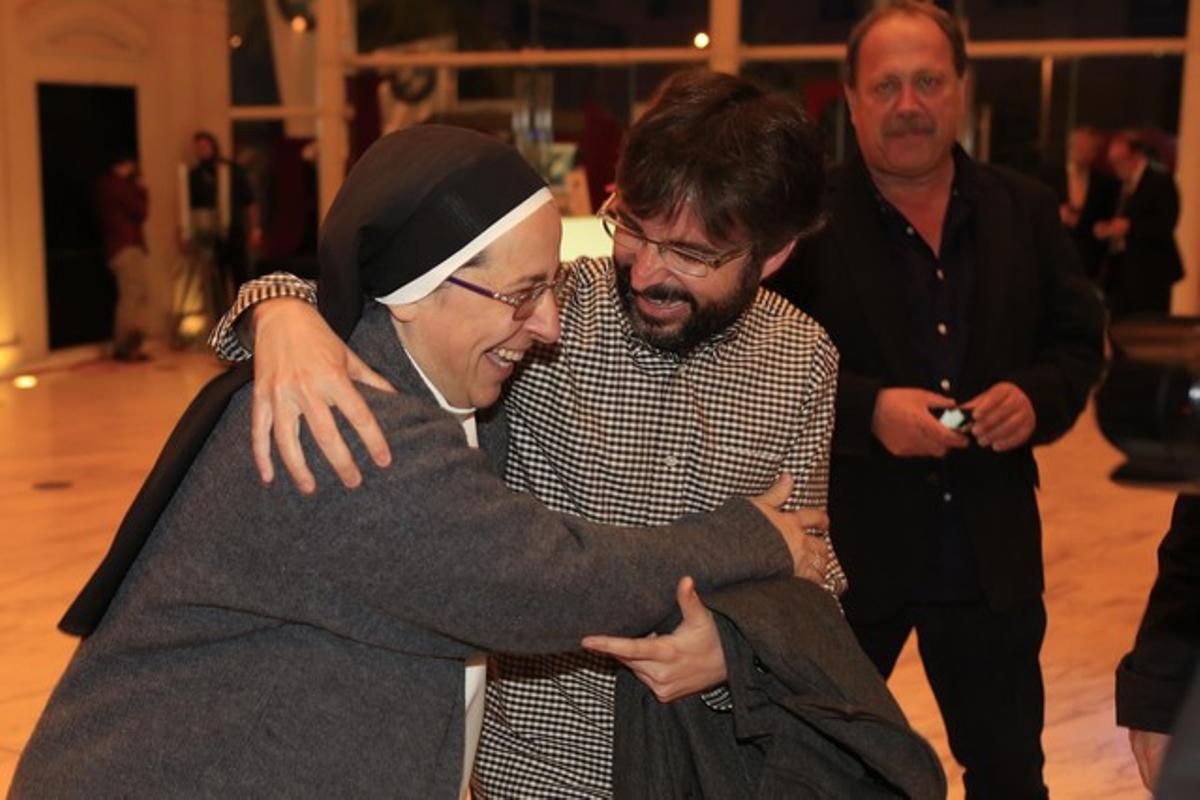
<point>81,128</point>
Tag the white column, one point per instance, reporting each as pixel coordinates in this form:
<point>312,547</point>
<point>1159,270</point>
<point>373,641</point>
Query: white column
<point>725,35</point>
<point>1186,298</point>
<point>10,303</point>
<point>334,140</point>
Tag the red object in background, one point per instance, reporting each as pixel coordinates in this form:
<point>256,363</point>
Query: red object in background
<point>819,95</point>
<point>599,147</point>
<point>291,199</point>
<point>362,93</point>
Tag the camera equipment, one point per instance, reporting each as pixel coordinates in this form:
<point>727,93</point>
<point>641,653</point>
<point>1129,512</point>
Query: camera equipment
<point>1149,404</point>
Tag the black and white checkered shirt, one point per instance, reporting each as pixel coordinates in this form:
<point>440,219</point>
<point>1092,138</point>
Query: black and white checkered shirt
<point>605,426</point>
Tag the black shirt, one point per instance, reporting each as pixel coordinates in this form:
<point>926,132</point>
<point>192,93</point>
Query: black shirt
<point>939,290</point>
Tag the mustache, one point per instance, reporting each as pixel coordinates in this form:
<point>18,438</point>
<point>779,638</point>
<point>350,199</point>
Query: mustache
<point>659,292</point>
<point>908,124</point>
<point>664,294</point>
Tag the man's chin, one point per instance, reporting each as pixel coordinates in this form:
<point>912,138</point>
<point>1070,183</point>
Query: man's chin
<point>664,336</point>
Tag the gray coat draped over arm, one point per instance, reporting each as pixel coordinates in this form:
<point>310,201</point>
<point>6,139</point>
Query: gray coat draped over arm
<point>267,643</point>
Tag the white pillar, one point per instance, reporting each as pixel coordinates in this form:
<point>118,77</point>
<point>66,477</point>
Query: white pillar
<point>332,24</point>
<point>1186,299</point>
<point>725,36</point>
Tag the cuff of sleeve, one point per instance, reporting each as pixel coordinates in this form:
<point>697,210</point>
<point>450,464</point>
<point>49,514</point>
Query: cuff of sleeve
<point>224,338</point>
<point>718,698</point>
<point>1147,703</point>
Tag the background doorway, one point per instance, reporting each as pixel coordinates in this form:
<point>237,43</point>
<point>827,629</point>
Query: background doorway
<point>80,128</point>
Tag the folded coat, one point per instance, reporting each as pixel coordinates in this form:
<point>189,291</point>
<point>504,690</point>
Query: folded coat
<point>811,716</point>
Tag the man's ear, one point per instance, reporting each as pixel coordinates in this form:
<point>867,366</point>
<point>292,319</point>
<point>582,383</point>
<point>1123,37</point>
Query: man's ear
<point>777,259</point>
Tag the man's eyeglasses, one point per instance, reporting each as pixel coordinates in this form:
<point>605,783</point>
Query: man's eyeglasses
<point>679,259</point>
<point>524,302</point>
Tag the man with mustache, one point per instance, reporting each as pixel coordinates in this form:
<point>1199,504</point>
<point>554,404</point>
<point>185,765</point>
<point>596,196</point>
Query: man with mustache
<point>945,284</point>
<point>676,381</point>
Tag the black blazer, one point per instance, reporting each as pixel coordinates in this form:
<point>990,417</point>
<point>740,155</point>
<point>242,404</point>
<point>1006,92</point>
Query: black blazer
<point>1034,321</point>
<point>1151,254</point>
<point>1153,678</point>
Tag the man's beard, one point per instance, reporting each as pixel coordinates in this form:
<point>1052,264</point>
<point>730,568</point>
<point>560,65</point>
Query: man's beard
<point>696,328</point>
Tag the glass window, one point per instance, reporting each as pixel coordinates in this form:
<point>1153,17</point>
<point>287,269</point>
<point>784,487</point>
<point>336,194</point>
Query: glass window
<point>819,84</point>
<point>568,121</point>
<point>789,22</point>
<point>279,164</point>
<point>1006,112</point>
<point>1074,19</point>
<point>513,24</point>
<point>1111,94</point>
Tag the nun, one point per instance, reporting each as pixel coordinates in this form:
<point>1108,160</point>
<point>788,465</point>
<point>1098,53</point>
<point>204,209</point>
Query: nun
<point>249,640</point>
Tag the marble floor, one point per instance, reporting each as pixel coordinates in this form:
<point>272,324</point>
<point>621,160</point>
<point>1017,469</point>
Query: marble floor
<point>74,450</point>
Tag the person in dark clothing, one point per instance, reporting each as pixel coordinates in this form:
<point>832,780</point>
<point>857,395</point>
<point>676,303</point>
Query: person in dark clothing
<point>219,190</point>
<point>945,283</point>
<point>1143,258</point>
<point>1086,195</point>
<point>122,204</point>
<point>1153,678</point>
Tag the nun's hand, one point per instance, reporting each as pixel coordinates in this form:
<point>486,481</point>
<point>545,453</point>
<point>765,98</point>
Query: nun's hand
<point>302,368</point>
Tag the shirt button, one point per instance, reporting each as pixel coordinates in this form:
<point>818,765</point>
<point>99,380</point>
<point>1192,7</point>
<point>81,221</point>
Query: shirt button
<point>909,230</point>
<point>947,497</point>
<point>670,461</point>
<point>941,328</point>
<point>945,384</point>
<point>941,276</point>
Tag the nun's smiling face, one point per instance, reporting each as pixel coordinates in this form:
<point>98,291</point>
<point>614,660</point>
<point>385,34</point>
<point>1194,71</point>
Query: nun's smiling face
<point>469,344</point>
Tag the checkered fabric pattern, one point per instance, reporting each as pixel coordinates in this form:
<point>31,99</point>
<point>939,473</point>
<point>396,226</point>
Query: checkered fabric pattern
<point>223,338</point>
<point>606,427</point>
<point>609,428</point>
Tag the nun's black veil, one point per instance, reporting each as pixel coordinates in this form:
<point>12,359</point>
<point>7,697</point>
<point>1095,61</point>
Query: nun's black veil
<point>413,200</point>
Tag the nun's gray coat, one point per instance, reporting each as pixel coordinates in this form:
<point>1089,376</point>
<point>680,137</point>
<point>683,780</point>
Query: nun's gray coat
<point>271,644</point>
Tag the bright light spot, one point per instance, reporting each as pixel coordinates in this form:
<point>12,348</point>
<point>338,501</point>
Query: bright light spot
<point>235,41</point>
<point>25,381</point>
<point>192,326</point>
<point>299,24</point>
<point>700,40</point>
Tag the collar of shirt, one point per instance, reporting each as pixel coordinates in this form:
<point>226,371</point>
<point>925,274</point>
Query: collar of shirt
<point>465,416</point>
<point>651,358</point>
<point>962,189</point>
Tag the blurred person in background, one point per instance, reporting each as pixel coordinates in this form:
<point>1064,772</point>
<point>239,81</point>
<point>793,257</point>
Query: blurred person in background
<point>122,204</point>
<point>1143,260</point>
<point>225,214</point>
<point>1086,193</point>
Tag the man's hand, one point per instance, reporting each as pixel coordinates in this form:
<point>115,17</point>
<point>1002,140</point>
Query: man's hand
<point>301,368</point>
<point>1109,228</point>
<point>1148,749</point>
<point>1002,418</point>
<point>1068,214</point>
<point>811,555</point>
<point>684,662</point>
<point>904,423</point>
